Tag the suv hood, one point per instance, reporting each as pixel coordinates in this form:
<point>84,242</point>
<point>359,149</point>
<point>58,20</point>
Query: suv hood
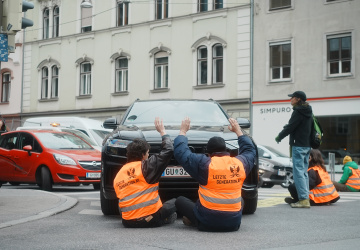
<point>196,133</point>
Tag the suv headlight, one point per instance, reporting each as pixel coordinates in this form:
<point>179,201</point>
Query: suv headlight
<point>64,160</point>
<point>266,165</point>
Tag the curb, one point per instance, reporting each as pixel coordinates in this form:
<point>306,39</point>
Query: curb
<point>65,203</point>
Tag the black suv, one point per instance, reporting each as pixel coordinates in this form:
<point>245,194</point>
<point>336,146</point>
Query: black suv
<point>208,119</point>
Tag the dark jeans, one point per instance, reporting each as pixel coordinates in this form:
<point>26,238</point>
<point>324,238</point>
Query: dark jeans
<point>293,193</point>
<point>341,187</point>
<point>185,207</point>
<point>155,220</point>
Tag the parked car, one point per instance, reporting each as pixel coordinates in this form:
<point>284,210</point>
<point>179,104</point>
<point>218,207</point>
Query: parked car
<point>271,173</point>
<point>268,152</point>
<point>92,128</point>
<point>76,132</point>
<point>208,119</point>
<point>48,158</point>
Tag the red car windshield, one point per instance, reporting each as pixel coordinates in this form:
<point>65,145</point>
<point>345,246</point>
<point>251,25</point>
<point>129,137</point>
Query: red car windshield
<point>62,141</point>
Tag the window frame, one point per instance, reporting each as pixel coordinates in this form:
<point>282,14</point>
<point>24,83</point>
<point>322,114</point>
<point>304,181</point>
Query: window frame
<point>85,86</point>
<point>328,37</point>
<point>281,66</point>
<point>56,21</point>
<point>215,59</point>
<point>164,71</point>
<point>46,23</point>
<point>86,13</point>
<point>200,62</point>
<point>54,77</point>
<point>44,83</point>
<point>161,9</point>
<point>281,7</point>
<point>5,87</point>
<point>119,88</point>
<point>122,15</point>
<point>216,3</point>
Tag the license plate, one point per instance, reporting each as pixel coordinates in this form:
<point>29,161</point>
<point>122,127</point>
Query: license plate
<point>175,172</point>
<point>93,175</point>
<point>281,172</point>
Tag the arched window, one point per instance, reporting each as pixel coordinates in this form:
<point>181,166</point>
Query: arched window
<point>121,77</point>
<point>54,81</point>
<point>217,65</point>
<point>5,88</point>
<point>85,78</point>
<point>44,82</point>
<point>161,70</point>
<point>202,57</point>
<point>56,23</point>
<point>46,23</point>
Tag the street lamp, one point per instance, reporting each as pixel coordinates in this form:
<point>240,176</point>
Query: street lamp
<point>86,4</point>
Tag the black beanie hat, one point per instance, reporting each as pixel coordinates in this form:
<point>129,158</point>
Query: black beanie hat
<point>216,144</point>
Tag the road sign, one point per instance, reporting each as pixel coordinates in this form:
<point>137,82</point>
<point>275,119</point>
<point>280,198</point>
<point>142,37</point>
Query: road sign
<point>4,48</point>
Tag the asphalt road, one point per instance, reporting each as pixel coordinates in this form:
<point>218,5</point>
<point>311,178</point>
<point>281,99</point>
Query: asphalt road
<point>275,225</point>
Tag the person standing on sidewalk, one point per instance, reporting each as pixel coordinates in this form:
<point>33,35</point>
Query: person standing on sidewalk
<point>350,180</point>
<point>299,129</point>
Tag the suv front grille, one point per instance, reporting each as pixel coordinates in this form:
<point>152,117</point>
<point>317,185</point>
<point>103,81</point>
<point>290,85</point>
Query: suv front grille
<point>90,165</point>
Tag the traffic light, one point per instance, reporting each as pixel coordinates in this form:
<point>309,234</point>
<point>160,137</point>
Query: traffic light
<point>12,16</point>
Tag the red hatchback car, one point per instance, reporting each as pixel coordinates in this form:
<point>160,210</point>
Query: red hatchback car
<point>48,158</point>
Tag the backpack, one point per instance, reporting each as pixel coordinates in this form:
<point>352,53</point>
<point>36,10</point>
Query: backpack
<point>316,134</point>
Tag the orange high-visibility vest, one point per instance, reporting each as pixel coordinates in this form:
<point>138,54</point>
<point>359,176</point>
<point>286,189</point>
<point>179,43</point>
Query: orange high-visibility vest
<point>354,179</point>
<point>223,189</point>
<point>325,191</point>
<point>137,198</point>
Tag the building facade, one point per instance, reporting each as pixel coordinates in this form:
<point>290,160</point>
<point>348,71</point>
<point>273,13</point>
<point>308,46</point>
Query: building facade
<point>94,62</point>
<point>310,46</point>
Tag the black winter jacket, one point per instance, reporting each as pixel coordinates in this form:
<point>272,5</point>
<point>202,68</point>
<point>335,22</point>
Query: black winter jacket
<point>299,126</point>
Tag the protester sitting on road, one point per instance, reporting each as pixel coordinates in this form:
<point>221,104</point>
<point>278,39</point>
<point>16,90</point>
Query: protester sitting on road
<point>350,180</point>
<point>220,176</point>
<point>137,183</point>
<point>322,191</point>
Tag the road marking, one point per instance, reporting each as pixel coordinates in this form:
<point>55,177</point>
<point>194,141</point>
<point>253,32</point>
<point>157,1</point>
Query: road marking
<point>95,204</point>
<point>91,212</point>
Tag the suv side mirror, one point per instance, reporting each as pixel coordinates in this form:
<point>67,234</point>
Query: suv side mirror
<point>110,123</point>
<point>244,123</point>
<point>266,155</point>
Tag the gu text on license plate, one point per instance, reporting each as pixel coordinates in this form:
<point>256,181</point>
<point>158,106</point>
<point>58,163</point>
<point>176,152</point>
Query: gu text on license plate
<point>93,175</point>
<point>175,172</point>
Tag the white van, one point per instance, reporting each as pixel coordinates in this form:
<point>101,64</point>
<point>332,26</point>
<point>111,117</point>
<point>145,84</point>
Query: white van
<point>92,128</point>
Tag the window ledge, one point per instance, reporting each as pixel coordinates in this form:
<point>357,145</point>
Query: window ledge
<point>4,103</point>
<point>83,96</point>
<point>218,85</point>
<point>122,29</point>
<point>87,36</point>
<point>160,23</point>
<point>160,90</point>
<point>49,100</point>
<point>46,42</point>
<point>209,14</point>
<point>280,82</point>
<point>340,77</point>
<point>120,93</point>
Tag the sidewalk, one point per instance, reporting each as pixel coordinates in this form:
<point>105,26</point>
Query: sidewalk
<point>22,205</point>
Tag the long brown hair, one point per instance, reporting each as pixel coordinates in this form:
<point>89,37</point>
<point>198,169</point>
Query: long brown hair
<point>316,159</point>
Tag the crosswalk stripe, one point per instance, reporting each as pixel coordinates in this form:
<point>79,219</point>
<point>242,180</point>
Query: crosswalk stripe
<point>91,212</point>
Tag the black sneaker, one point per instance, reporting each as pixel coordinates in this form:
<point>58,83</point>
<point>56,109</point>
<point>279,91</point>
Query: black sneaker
<point>186,221</point>
<point>289,200</point>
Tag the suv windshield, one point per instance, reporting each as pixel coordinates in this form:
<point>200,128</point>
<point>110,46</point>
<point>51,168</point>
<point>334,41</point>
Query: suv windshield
<point>62,141</point>
<point>275,152</point>
<point>173,112</point>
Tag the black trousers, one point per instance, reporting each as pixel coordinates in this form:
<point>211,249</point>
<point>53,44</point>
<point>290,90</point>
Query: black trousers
<point>155,220</point>
<point>185,207</point>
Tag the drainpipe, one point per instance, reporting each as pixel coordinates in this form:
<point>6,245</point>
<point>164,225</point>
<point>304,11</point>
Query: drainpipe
<point>251,62</point>
<point>22,74</point>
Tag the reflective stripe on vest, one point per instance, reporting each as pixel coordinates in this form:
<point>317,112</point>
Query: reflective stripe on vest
<point>354,179</point>
<point>325,191</point>
<point>223,190</point>
<point>137,198</point>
